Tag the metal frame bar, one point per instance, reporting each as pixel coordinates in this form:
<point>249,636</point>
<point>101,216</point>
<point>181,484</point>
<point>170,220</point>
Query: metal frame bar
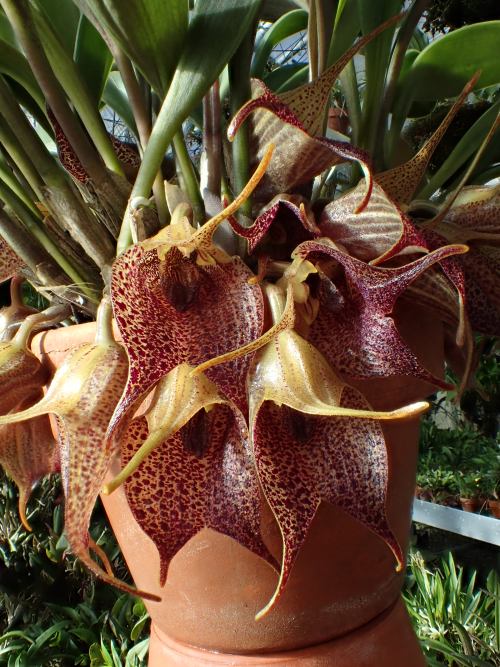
<point>478,527</point>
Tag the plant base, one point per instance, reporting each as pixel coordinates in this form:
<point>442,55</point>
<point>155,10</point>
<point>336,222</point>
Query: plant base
<point>387,641</point>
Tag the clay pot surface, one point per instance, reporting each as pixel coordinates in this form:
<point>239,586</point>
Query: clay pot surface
<point>495,508</point>
<point>344,577</point>
<point>338,120</point>
<point>470,504</point>
<point>389,640</point>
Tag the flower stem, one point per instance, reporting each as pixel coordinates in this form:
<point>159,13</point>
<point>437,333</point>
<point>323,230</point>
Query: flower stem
<point>189,177</point>
<point>240,93</point>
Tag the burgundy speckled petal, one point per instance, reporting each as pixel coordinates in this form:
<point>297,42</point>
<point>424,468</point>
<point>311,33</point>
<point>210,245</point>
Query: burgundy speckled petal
<point>308,102</point>
<point>28,452</point>
<point>379,232</point>
<point>482,288</point>
<point>343,461</point>
<point>70,161</point>
<point>9,261</point>
<point>83,396</point>
<point>474,219</point>
<point>227,314</point>
<point>355,335</point>
<point>315,439</point>
<point>453,268</point>
<point>297,156</point>
<point>401,182</point>
<point>176,492</point>
<point>289,221</point>
<point>67,156</point>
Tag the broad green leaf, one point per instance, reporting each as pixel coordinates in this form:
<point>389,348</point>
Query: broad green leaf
<point>14,64</point>
<point>377,54</point>
<point>137,652</point>
<point>7,33</point>
<point>347,27</point>
<point>200,64</point>
<point>467,145</point>
<point>65,16</point>
<point>287,25</point>
<point>280,76</point>
<point>29,103</point>
<point>445,66</point>
<point>150,32</point>
<point>298,79</point>
<point>95,655</point>
<point>417,109</point>
<point>45,637</point>
<point>93,59</point>
<point>114,95</point>
<point>85,634</point>
<point>137,629</point>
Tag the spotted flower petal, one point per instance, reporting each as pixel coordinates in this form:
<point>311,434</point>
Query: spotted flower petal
<point>315,439</point>
<point>352,328</point>
<point>474,220</point>
<point>21,373</point>
<point>199,472</point>
<point>378,233</point>
<point>28,452</point>
<point>284,223</point>
<point>11,317</point>
<point>83,396</point>
<point>401,182</point>
<point>179,299</point>
<point>9,261</point>
<point>298,157</point>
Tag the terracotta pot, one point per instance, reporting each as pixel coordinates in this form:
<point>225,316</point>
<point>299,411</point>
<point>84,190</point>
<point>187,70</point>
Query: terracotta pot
<point>470,504</point>
<point>341,606</point>
<point>495,508</point>
<point>338,120</point>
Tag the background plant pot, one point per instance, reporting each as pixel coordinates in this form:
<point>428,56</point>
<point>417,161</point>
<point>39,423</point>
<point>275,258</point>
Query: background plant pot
<point>495,508</point>
<point>470,504</point>
<point>344,576</point>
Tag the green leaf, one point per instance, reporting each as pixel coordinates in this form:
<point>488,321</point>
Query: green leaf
<point>116,658</point>
<point>16,633</point>
<point>138,627</point>
<point>85,634</point>
<point>200,64</point>
<point>95,655</point>
<point>93,59</point>
<point>280,76</point>
<point>377,54</point>
<point>65,17</point>
<point>347,27</point>
<point>72,81</point>
<point>114,96</point>
<point>45,637</point>
<point>444,67</point>
<point>29,103</point>
<point>138,651</point>
<point>7,33</point>
<point>14,64</point>
<point>150,32</point>
<point>464,638</point>
<point>289,24</point>
<point>105,654</point>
